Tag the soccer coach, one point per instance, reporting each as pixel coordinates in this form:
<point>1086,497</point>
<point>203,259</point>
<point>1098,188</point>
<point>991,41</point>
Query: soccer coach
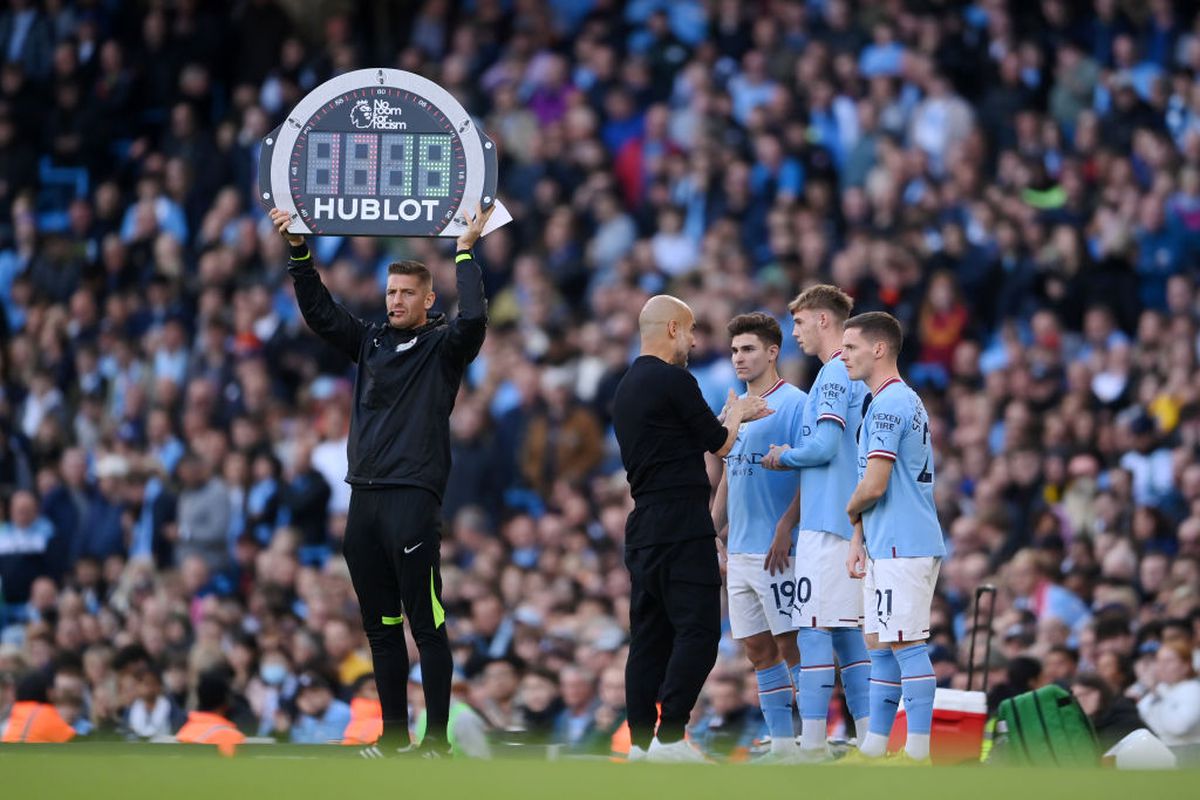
<point>409,371</point>
<point>663,427</point>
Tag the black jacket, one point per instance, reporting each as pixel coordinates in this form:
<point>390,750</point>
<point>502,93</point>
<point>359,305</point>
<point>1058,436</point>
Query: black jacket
<point>407,380</point>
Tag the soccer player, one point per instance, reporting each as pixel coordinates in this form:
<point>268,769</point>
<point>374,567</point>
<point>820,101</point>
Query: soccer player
<point>897,546</point>
<point>828,610</point>
<point>761,511</point>
<point>409,371</point>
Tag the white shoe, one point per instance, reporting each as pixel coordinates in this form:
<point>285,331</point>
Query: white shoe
<point>818,755</point>
<point>636,754</point>
<point>681,752</point>
<point>778,758</point>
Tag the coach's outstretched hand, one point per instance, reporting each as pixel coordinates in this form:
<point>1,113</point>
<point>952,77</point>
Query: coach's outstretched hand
<point>281,219</point>
<point>475,225</point>
<point>747,409</point>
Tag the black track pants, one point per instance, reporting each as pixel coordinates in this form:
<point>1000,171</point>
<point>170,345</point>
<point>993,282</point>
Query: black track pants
<point>393,549</point>
<point>675,624</point>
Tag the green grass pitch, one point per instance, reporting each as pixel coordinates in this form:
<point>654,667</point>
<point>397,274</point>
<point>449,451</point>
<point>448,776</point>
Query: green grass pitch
<point>126,772</point>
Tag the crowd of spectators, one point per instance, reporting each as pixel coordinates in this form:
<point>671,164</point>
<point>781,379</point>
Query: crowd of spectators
<point>1018,182</point>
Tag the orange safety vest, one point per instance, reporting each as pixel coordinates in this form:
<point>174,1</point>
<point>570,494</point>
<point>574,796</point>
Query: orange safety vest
<point>38,723</point>
<point>366,722</point>
<point>203,727</point>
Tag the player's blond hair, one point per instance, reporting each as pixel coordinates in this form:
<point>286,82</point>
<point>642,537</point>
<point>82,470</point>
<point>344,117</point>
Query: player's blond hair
<point>824,297</point>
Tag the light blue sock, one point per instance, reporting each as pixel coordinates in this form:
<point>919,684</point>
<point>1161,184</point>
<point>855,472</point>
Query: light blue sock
<point>855,666</point>
<point>885,699</point>
<point>916,672</point>
<point>775,698</point>
<point>816,685</point>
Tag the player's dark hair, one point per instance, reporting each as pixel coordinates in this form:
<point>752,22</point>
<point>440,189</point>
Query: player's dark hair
<point>764,326</point>
<point>412,268</point>
<point>823,297</point>
<point>879,326</point>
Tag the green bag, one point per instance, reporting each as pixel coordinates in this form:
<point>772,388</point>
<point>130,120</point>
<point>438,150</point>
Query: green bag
<point>1047,728</point>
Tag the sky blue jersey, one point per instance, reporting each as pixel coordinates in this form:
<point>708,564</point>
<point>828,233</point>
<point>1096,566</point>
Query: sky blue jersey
<point>757,497</point>
<point>903,523</point>
<point>826,451</point>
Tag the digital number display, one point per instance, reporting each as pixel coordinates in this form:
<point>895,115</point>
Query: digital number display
<point>389,164</point>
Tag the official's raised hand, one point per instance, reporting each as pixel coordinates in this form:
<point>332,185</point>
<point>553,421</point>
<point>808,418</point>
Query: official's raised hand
<point>475,226</point>
<point>281,219</point>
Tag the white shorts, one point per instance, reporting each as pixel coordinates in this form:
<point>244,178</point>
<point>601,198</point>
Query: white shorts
<point>826,595</point>
<point>898,595</point>
<point>757,601</point>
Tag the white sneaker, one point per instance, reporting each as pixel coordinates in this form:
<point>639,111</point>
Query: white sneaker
<point>818,755</point>
<point>778,758</point>
<point>636,754</point>
<point>681,752</point>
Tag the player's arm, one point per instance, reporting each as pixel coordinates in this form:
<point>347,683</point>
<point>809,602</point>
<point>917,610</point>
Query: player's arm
<point>832,393</point>
<point>813,451</point>
<point>715,436</point>
<point>720,507</point>
<point>720,515</point>
<point>872,486</point>
<point>328,319</point>
<point>856,560</point>
<point>469,327</point>
<point>883,428</point>
<point>778,557</point>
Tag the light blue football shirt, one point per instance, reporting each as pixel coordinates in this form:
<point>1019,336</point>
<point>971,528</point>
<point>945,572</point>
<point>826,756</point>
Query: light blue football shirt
<point>903,523</point>
<point>828,477</point>
<point>757,497</point>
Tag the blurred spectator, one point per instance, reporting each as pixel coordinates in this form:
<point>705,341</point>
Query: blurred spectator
<point>24,548</point>
<point>204,507</point>
<point>341,648</point>
<point>152,714</point>
<point>576,726</point>
<point>1113,716</point>
<point>540,706</point>
<point>1171,708</point>
<point>730,725</point>
<point>500,681</point>
<point>323,718</point>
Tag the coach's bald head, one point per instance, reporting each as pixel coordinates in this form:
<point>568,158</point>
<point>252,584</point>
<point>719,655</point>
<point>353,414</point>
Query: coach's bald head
<point>667,327</point>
